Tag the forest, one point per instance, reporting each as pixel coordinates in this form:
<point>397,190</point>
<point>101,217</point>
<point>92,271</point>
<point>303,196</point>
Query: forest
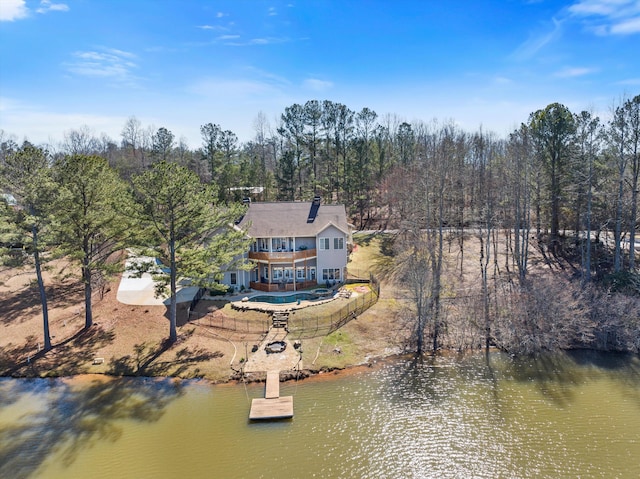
<point>563,187</point>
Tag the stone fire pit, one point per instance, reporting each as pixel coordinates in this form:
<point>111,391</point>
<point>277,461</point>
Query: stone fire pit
<point>275,347</point>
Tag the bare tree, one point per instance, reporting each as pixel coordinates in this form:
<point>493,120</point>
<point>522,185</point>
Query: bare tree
<point>618,133</point>
<point>632,108</point>
<point>588,134</point>
<point>80,142</point>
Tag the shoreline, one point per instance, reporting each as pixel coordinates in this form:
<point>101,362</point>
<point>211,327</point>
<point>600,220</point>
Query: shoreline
<point>322,373</point>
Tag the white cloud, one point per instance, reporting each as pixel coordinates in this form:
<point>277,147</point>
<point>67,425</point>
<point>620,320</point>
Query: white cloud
<point>46,6</point>
<point>629,81</point>
<point>317,85</point>
<point>500,80</point>
<point>607,8</point>
<point>237,88</point>
<point>109,63</point>
<point>537,42</point>
<point>13,10</point>
<point>608,17</point>
<point>272,12</point>
<point>254,41</point>
<point>572,72</point>
<point>626,27</point>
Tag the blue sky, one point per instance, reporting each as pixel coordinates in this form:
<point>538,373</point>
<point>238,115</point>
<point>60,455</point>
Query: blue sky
<point>183,63</point>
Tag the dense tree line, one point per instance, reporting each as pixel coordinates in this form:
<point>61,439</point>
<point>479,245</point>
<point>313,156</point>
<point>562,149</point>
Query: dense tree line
<point>565,183</point>
<point>77,206</point>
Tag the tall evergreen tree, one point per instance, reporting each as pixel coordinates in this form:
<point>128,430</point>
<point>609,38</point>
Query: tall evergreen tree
<point>554,128</point>
<point>26,174</point>
<point>187,229</point>
<point>93,218</point>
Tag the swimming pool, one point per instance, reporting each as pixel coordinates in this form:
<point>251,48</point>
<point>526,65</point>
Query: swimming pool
<point>290,298</point>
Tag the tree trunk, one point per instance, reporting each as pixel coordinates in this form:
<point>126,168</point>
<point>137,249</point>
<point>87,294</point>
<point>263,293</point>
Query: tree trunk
<point>420,327</point>
<point>86,276</point>
<point>555,205</point>
<point>587,266</point>
<point>41,289</point>
<point>617,266</point>
<point>173,310</point>
<point>632,226</point>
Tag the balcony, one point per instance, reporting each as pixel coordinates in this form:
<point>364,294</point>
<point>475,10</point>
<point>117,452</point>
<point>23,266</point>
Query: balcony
<point>282,256</point>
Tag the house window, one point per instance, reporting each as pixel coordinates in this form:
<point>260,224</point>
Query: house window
<point>280,244</point>
<point>234,278</point>
<point>338,243</point>
<point>266,272</point>
<point>324,243</point>
<point>312,273</point>
<point>277,274</point>
<point>331,274</point>
<point>300,274</point>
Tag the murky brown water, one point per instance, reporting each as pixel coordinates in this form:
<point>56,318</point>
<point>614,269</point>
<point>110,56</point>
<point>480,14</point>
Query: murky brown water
<point>563,416</point>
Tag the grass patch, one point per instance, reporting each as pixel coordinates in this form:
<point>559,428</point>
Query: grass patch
<point>369,255</point>
<point>338,339</point>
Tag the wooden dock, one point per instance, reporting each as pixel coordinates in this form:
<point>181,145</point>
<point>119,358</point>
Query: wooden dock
<point>272,406</point>
<point>272,387</point>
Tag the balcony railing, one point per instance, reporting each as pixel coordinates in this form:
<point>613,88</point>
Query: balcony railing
<point>282,256</point>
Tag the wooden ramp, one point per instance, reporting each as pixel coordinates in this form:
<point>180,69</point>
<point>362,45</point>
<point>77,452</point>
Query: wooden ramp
<point>272,406</point>
<point>272,387</point>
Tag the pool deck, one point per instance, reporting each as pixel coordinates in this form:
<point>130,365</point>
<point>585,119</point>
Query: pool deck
<point>243,305</point>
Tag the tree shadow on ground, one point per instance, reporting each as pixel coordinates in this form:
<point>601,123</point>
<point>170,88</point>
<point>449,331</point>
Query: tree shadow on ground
<point>71,356</point>
<point>165,358</point>
<point>13,356</point>
<point>20,305</point>
<point>74,417</point>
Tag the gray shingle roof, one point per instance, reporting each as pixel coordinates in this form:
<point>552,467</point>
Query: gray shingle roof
<point>290,219</point>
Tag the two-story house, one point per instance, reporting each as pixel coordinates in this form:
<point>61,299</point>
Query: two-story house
<point>295,245</point>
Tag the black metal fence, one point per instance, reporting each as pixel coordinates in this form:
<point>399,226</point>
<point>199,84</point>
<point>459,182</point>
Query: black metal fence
<point>301,326</point>
<point>235,325</point>
<point>305,328</point>
<point>322,325</point>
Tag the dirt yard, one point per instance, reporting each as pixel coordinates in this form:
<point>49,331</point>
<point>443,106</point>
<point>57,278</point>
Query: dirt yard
<point>131,340</point>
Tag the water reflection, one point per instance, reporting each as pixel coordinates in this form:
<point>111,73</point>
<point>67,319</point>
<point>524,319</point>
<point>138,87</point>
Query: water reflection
<point>63,418</point>
<point>568,415</point>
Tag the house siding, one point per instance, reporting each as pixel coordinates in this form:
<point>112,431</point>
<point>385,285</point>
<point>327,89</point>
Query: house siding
<point>332,258</point>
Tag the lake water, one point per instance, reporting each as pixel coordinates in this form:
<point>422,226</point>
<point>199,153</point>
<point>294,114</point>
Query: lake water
<point>574,415</point>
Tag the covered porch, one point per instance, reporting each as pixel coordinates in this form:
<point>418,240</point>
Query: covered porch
<point>284,276</point>
<point>275,287</point>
